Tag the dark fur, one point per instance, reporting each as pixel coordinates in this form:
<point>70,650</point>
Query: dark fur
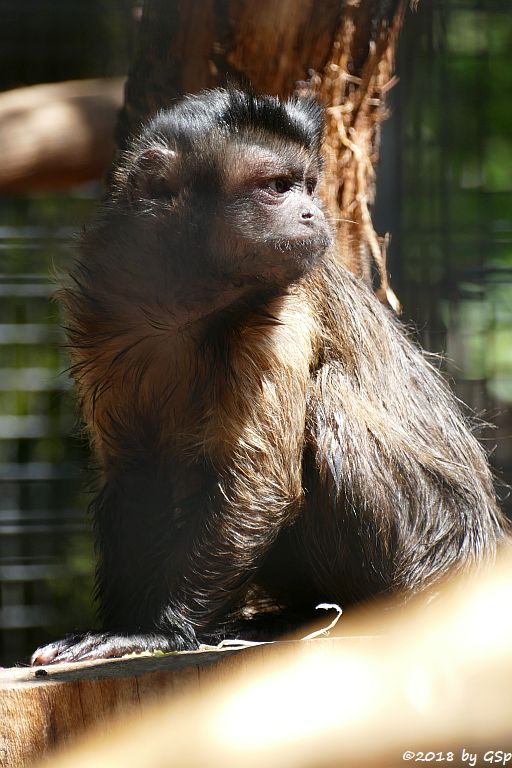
<point>267,434</point>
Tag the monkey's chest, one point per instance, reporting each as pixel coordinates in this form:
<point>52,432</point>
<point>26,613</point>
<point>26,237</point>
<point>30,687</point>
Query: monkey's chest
<point>240,396</point>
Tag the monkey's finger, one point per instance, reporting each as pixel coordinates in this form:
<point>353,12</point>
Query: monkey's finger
<point>111,648</point>
<point>46,654</point>
<point>106,645</point>
<point>81,649</point>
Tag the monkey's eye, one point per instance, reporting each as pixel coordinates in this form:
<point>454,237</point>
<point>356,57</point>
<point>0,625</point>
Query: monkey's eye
<point>310,186</point>
<point>279,185</point>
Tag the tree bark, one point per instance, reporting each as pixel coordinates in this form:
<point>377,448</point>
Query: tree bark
<point>343,52</point>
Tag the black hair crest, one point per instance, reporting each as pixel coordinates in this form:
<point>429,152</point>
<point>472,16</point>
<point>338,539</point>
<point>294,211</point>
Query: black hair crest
<point>297,119</point>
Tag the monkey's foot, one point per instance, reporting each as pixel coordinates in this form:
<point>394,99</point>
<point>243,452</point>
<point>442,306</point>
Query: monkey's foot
<point>107,645</point>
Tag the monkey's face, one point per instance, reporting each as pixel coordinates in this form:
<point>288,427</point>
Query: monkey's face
<point>222,189</point>
<point>269,226</point>
<point>245,208</point>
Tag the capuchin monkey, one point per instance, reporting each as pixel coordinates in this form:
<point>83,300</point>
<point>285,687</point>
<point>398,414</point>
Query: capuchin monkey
<point>267,436</point>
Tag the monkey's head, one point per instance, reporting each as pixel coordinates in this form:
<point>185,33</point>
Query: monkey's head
<point>226,182</point>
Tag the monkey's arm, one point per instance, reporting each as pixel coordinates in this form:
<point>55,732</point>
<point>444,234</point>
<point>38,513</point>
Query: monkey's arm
<point>167,573</point>
<point>255,440</point>
<point>137,543</point>
<point>156,592</point>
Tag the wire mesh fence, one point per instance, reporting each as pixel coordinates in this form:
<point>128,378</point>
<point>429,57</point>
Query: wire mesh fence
<point>45,561</point>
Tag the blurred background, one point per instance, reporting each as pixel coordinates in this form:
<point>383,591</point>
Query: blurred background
<point>444,194</point>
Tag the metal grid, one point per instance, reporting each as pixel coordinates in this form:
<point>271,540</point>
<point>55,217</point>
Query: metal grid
<point>44,538</point>
<point>447,199</point>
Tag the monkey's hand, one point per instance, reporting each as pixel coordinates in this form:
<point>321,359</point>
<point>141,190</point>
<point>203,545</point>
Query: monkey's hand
<point>108,645</point>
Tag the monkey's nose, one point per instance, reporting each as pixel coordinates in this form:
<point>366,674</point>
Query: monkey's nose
<point>308,214</point>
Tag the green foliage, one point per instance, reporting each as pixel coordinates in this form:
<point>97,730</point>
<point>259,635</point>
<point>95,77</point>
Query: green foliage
<point>457,182</point>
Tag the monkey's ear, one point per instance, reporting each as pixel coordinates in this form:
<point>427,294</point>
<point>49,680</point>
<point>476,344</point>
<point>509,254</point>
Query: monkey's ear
<point>153,175</point>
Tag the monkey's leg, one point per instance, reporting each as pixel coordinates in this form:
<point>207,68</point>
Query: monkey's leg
<point>400,492</point>
<point>228,552</point>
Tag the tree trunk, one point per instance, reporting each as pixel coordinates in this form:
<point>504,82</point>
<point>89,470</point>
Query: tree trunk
<point>343,52</point>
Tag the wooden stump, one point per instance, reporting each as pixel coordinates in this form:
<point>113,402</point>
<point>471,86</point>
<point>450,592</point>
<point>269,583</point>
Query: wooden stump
<point>41,708</point>
<point>426,681</point>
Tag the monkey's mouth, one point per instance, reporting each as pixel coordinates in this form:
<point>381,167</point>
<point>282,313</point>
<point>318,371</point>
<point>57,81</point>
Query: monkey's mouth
<point>306,247</point>
<point>290,258</point>
<point>280,262</point>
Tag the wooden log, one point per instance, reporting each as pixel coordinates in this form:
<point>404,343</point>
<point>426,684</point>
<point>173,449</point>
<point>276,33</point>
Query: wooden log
<point>431,679</point>
<point>57,135</point>
<point>41,709</point>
